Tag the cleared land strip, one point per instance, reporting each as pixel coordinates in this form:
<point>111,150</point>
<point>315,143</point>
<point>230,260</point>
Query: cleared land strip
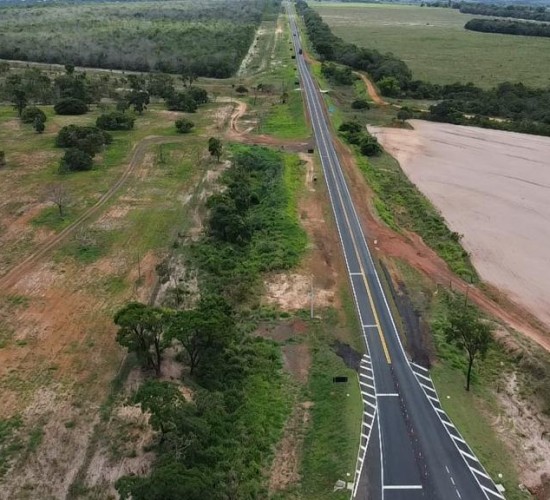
<point>15,273</point>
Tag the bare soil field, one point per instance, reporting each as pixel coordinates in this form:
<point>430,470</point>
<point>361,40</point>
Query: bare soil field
<point>492,187</point>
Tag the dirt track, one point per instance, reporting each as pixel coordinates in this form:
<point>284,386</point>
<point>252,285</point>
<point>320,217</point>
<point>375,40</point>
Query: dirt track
<point>371,89</point>
<point>18,271</point>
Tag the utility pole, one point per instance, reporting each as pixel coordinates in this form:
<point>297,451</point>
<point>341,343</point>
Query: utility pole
<point>311,297</point>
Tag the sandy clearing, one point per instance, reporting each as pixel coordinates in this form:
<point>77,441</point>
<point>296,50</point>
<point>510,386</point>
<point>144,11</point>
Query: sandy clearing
<point>493,187</point>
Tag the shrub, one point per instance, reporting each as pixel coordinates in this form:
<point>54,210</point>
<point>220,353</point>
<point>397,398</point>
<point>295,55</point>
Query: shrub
<point>360,104</point>
<point>181,101</point>
<point>198,94</point>
<point>183,125</point>
<point>70,106</point>
<point>29,114</point>
<point>115,121</point>
<point>241,89</point>
<point>369,146</point>
<point>88,139</point>
<point>75,160</point>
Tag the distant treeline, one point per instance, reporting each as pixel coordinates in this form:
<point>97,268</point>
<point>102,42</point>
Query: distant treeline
<point>508,27</point>
<point>522,109</point>
<point>209,39</point>
<point>516,11</point>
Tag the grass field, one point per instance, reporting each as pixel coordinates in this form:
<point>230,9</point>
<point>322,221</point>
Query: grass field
<point>434,43</point>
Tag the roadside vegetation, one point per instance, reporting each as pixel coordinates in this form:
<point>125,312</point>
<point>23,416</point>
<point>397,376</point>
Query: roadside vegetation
<point>508,27</point>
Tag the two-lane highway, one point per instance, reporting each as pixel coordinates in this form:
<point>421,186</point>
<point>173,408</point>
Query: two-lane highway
<point>419,453</point>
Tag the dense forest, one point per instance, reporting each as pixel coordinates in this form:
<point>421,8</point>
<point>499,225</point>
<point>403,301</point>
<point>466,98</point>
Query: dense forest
<point>508,27</point>
<point>538,13</point>
<point>211,38</point>
<point>523,109</point>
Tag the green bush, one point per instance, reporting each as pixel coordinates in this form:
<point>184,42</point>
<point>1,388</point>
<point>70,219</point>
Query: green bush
<point>30,113</point>
<point>75,160</point>
<point>88,139</point>
<point>115,121</point>
<point>70,106</point>
<point>184,126</point>
<point>360,104</point>
<point>181,101</point>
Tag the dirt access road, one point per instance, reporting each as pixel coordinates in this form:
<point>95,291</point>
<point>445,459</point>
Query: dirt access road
<point>26,265</point>
<point>493,187</point>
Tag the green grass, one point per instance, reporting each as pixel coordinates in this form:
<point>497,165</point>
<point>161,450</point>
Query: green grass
<point>433,42</point>
<point>10,443</point>
<point>330,447</point>
<point>287,121</point>
<point>472,412</point>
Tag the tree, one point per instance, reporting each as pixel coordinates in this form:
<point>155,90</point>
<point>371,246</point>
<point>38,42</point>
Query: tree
<point>162,400</point>
<point>70,106</point>
<point>360,104</point>
<point>181,101</point>
<point>198,94</point>
<point>58,194</point>
<point>88,139</point>
<point>465,329</point>
<point>75,160</point>
<point>19,100</point>
<point>2,159</point>
<point>204,331</point>
<point>139,99</point>
<point>389,86</point>
<point>404,114</point>
<point>39,124</point>
<point>69,69</point>
<point>215,147</point>
<point>122,105</point>
<point>241,89</point>
<point>115,121</point>
<point>183,125</point>
<point>30,113</point>
<point>140,330</point>
<point>369,146</point>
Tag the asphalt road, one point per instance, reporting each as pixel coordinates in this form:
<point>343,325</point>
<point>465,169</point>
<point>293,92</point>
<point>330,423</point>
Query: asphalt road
<point>411,446</point>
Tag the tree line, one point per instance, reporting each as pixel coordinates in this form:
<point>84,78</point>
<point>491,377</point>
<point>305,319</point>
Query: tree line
<point>218,445</point>
<point>508,27</point>
<point>534,13</point>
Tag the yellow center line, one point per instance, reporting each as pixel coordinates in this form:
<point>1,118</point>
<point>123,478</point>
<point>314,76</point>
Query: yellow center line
<point>356,250</point>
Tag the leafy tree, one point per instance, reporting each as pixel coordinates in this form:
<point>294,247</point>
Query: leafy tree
<point>75,160</point>
<point>162,400</point>
<point>360,104</point>
<point>122,105</point>
<point>140,330</point>
<point>30,113</point>
<point>115,121</point>
<point>241,89</point>
<point>72,85</point>
<point>184,126</point>
<point>389,86</point>
<point>369,146</point>
<point>465,329</point>
<point>404,114</point>
<point>181,101</point>
<point>204,331</point>
<point>160,85</point>
<point>70,106</point>
<point>2,159</point>
<point>19,100</point>
<point>198,94</point>
<point>139,99</point>
<point>88,139</point>
<point>69,69</point>
<point>39,125</point>
<point>215,147</point>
